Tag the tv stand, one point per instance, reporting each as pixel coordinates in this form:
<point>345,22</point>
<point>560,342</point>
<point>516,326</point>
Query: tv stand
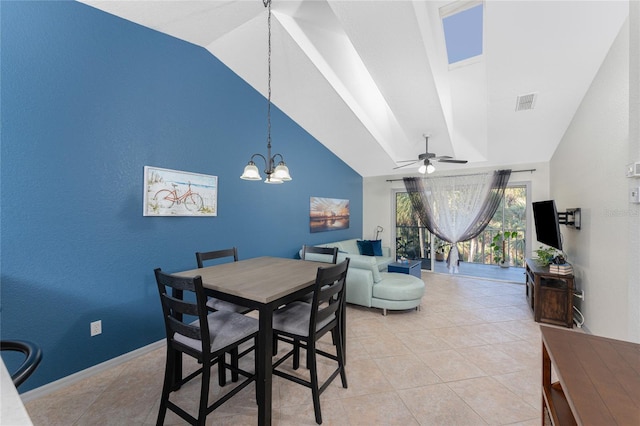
<point>598,379</point>
<point>549,295</point>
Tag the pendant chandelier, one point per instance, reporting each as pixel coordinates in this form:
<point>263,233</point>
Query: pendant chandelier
<point>279,173</point>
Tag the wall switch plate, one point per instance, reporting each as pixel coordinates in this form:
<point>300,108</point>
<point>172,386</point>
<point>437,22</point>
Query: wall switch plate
<point>96,328</point>
<point>633,170</point>
<point>634,195</point>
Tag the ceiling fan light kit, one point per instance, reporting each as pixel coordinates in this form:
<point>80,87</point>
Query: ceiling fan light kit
<point>426,167</point>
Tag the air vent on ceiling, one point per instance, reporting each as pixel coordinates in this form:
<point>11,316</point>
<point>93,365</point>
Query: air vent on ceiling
<point>525,102</point>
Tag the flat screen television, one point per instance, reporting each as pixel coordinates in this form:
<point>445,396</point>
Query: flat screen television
<point>547,223</point>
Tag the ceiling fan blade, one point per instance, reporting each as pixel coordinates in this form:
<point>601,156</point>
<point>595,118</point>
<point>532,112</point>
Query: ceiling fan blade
<point>405,165</point>
<point>443,157</point>
<point>407,161</point>
<point>453,161</point>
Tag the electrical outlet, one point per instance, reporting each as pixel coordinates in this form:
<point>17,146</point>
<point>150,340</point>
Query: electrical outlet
<point>96,328</point>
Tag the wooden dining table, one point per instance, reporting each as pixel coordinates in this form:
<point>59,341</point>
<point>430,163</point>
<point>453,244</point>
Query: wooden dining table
<point>262,283</point>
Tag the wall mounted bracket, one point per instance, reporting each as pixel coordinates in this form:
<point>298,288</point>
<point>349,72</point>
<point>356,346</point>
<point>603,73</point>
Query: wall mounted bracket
<point>571,218</point>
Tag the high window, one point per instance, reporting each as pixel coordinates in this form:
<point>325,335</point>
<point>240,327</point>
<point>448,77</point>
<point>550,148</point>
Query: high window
<point>462,24</point>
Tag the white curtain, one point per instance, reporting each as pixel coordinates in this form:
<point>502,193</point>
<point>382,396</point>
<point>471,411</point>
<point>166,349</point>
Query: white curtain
<point>457,208</point>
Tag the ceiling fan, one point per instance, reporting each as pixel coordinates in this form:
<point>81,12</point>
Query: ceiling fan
<point>427,158</point>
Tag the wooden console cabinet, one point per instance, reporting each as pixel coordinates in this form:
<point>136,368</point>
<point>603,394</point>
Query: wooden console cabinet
<point>549,295</point>
<point>598,379</point>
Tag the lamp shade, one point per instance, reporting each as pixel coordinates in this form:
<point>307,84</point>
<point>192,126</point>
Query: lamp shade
<point>430,168</point>
<point>273,180</point>
<point>251,172</point>
<point>422,169</point>
<point>282,172</point>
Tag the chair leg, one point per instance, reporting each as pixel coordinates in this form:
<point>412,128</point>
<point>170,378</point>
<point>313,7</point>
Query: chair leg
<point>166,387</point>
<point>255,368</point>
<point>234,363</point>
<point>340,352</point>
<point>313,370</point>
<point>204,393</point>
<point>343,332</point>
<point>177,370</point>
<point>311,356</point>
<point>296,354</point>
<point>222,371</point>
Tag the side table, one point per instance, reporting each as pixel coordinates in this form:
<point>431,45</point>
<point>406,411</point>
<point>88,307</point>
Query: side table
<point>413,267</point>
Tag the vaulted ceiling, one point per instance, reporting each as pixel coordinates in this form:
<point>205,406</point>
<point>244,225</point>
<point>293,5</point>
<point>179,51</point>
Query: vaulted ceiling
<point>369,78</point>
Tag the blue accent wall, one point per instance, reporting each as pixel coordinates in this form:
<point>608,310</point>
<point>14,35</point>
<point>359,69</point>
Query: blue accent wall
<point>89,99</point>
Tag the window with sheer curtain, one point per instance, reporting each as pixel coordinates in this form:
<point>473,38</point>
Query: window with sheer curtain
<point>457,208</point>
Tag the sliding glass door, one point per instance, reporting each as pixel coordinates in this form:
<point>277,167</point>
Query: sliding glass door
<point>414,241</point>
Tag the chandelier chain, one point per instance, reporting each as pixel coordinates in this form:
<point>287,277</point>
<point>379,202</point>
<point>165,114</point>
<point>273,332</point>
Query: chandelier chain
<point>268,5</point>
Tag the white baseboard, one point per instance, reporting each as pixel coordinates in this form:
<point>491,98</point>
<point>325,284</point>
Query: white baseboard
<point>80,375</point>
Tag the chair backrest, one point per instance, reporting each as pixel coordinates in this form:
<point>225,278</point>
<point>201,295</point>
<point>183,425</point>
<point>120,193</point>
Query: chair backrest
<point>33,356</point>
<point>324,254</point>
<point>328,298</point>
<point>179,311</point>
<point>216,254</point>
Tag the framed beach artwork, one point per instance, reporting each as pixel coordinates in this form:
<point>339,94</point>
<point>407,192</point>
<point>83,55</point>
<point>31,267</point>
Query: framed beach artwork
<point>328,214</point>
<point>176,193</point>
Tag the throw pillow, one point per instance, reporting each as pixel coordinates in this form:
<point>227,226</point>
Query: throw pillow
<point>365,247</point>
<point>377,247</point>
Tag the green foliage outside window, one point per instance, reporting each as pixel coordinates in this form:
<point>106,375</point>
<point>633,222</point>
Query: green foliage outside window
<point>414,240</point>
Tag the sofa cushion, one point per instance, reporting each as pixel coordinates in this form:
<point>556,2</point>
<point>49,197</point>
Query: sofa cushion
<point>377,247</point>
<point>394,286</point>
<point>383,262</point>
<point>365,247</point>
<point>362,262</point>
<point>370,247</point>
<point>347,246</point>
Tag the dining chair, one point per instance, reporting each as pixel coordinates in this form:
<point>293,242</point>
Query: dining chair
<point>214,303</point>
<point>207,339</point>
<point>324,254</point>
<point>302,325</point>
<point>318,254</point>
<point>32,357</point>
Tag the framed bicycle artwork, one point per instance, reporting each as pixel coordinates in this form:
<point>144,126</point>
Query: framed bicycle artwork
<point>176,193</point>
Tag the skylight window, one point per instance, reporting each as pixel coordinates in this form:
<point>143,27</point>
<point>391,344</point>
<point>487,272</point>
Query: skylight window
<point>462,25</point>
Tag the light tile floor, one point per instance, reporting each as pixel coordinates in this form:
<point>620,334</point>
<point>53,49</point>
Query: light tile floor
<point>470,356</point>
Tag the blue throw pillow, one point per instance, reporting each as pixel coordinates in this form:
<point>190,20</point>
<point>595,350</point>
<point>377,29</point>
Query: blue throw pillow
<point>377,247</point>
<point>365,247</point>
<point>370,247</point>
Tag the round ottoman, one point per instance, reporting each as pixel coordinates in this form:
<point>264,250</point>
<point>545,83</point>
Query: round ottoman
<point>397,291</point>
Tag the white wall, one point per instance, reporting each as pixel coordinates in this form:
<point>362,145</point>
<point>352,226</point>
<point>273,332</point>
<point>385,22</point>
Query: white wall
<point>377,197</point>
<point>588,171</point>
<point>634,154</point>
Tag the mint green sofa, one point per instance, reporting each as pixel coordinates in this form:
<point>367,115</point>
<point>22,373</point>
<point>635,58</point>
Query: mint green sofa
<point>368,283</point>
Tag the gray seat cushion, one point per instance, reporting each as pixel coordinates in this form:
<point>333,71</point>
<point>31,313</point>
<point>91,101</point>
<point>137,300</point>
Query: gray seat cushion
<point>294,318</point>
<point>223,305</point>
<point>225,328</point>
